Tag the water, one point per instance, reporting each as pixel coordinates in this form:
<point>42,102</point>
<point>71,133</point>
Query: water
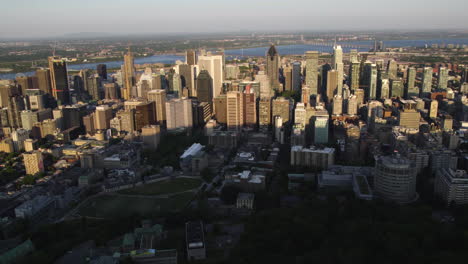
<point>261,51</point>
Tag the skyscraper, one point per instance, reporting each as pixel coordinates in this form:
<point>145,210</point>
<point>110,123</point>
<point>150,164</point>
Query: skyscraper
<point>396,87</point>
<point>332,84</point>
<point>179,114</point>
<point>264,112</point>
<point>354,75</point>
<point>150,135</point>
<point>272,67</point>
<point>59,80</point>
<point>371,80</point>
<point>103,116</point>
<point>33,162</point>
<point>305,95</point>
<point>159,99</point>
<point>337,64</point>
<point>427,80</point>
<point>220,105</point>
<point>312,71</point>
<point>205,87</point>
<point>281,107</point>
<point>191,57</point>
<point>442,78</point>
<point>287,73</point>
<point>235,115</point>
<point>392,69</point>
<point>214,64</point>
<point>321,129</point>
<point>337,105</point>
<point>296,76</point>
<point>413,90</point>
<point>187,77</point>
<point>250,109</point>
<point>102,71</point>
<point>128,75</point>
<point>43,79</point>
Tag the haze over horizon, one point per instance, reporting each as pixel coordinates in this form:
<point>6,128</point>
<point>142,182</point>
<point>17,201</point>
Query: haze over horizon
<point>53,18</point>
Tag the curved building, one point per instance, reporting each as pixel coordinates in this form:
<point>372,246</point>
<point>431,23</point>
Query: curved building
<point>395,179</point>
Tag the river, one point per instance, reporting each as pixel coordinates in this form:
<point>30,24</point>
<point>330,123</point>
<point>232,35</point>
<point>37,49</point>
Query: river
<point>261,51</point>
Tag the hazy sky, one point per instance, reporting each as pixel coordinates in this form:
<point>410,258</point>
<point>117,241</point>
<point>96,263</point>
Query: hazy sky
<point>39,18</point>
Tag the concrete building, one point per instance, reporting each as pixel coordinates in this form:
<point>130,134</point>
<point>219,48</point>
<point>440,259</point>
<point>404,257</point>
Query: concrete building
<point>150,136</point>
<point>214,64</point>
<point>272,67</point>
<point>264,112</point>
<point>321,129</point>
<point>102,117</point>
<point>312,72</point>
<point>395,179</point>
<point>179,114</point>
<point>281,107</point>
<point>33,162</point>
<point>427,80</point>
<point>235,110</point>
<point>312,157</point>
<point>38,208</point>
<point>452,186</point>
<point>19,136</point>
<point>412,89</point>
<point>159,99</point>
<point>250,109</point>
<point>337,105</point>
<point>442,78</point>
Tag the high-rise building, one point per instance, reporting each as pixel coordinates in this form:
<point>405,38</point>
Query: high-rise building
<point>23,83</point>
<point>43,79</point>
<point>150,135</point>
<point>88,122</point>
<point>191,57</point>
<point>442,78</point>
<point>296,76</point>
<point>332,84</point>
<point>312,71</point>
<point>28,119</point>
<point>337,105</point>
<point>272,67</point>
<point>250,109</point>
<point>427,80</point>
<point>265,88</point>
<point>33,162</point>
<point>205,87</point>
<point>281,107</point>
<point>337,64</point>
<point>179,114</point>
<point>19,136</point>
<point>264,112</point>
<point>111,91</point>
<point>353,56</point>
<point>300,115</point>
<point>321,129</point>
<point>235,109</point>
<point>413,90</point>
<point>103,115</point>
<point>124,121</point>
<point>409,118</point>
<point>187,77</point>
<point>385,88</point>
<point>392,69</point>
<point>305,95</point>
<point>354,75</point>
<point>175,84</point>
<point>102,71</point>
<point>287,74</point>
<point>128,75</point>
<point>370,80</point>
<point>214,64</point>
<point>433,108</point>
<point>395,179</point>
<point>159,99</point>
<point>93,84</point>
<point>220,105</point>
<point>352,105</point>
<point>59,80</point>
<point>15,105</point>
<point>396,88</point>
<point>144,113</point>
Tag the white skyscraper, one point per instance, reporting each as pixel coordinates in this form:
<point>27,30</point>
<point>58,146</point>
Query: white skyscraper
<point>179,114</point>
<point>300,114</point>
<point>214,64</point>
<point>337,64</point>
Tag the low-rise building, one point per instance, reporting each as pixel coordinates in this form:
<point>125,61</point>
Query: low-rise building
<point>195,238</point>
<point>312,157</point>
<point>38,208</point>
<point>452,186</point>
<point>245,200</point>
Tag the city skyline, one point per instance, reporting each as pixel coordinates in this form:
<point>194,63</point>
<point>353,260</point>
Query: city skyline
<point>138,17</point>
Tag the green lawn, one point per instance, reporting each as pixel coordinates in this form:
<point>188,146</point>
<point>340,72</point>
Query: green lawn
<point>110,206</point>
<point>164,187</point>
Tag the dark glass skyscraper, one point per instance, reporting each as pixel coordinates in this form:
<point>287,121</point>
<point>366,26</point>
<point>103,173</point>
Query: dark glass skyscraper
<point>205,87</point>
<point>102,71</point>
<point>59,80</point>
<point>272,67</point>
